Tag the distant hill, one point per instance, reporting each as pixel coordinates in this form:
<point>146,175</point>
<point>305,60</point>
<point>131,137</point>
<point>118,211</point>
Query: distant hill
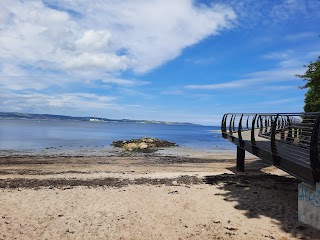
<point>17,115</point>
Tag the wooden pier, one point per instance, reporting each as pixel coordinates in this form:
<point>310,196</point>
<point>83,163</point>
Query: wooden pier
<point>290,141</point>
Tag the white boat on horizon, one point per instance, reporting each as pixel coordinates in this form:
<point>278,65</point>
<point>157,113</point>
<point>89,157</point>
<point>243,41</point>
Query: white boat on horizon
<point>94,119</point>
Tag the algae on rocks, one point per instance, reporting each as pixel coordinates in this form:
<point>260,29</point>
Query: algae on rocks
<point>142,144</point>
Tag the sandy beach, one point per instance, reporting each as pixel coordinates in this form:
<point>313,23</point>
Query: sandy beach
<point>170,194</point>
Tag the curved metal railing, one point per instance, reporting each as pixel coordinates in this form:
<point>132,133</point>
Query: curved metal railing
<point>294,136</point>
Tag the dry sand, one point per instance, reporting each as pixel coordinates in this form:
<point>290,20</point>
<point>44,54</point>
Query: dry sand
<point>171,194</point>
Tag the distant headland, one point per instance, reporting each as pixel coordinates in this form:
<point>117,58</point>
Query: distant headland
<point>33,116</point>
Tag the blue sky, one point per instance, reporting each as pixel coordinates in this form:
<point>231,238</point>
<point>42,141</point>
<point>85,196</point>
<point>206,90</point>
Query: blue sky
<point>171,60</point>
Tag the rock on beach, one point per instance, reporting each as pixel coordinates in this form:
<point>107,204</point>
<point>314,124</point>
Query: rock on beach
<point>142,144</point>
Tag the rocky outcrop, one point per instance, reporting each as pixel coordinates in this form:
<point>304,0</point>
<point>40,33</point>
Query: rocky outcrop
<point>143,144</point>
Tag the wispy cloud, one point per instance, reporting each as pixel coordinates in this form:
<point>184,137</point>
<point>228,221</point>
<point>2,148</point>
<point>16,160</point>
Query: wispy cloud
<point>280,101</point>
<point>278,55</point>
<point>301,36</point>
<point>290,58</point>
<point>254,79</point>
<point>124,82</point>
<point>279,88</point>
<point>265,12</point>
<point>313,54</point>
<point>173,92</point>
<point>232,84</point>
<point>73,102</point>
<point>201,61</point>
<point>185,94</point>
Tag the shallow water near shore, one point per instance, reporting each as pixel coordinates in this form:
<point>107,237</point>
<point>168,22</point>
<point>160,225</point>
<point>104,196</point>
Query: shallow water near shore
<point>73,135</point>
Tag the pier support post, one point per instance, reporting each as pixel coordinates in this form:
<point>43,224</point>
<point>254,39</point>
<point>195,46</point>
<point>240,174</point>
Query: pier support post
<point>309,204</point>
<point>240,159</point>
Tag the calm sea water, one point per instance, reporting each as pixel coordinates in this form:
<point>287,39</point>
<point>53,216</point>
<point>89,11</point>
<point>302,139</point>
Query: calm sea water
<point>34,134</point>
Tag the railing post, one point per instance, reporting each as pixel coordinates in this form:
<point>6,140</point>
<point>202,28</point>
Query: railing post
<point>239,131</point>
<point>265,125</point>
<point>230,125</point>
<point>234,118</point>
<point>248,122</point>
<point>223,125</point>
<point>282,128</point>
<point>253,140</point>
<point>240,159</point>
<point>289,137</point>
<point>261,124</point>
<point>314,152</point>
<point>273,140</point>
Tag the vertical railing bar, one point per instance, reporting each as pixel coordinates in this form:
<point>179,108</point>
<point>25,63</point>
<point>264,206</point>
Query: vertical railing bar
<point>239,131</point>
<point>265,124</point>
<point>289,137</point>
<point>248,121</point>
<point>233,123</point>
<point>261,125</point>
<point>273,138</point>
<point>283,127</point>
<point>223,125</point>
<point>230,125</point>
<point>253,140</point>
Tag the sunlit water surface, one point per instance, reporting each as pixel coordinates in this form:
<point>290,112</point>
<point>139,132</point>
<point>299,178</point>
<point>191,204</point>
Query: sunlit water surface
<point>37,135</point>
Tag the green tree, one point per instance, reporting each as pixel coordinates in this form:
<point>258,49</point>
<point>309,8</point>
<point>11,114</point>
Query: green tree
<point>312,97</point>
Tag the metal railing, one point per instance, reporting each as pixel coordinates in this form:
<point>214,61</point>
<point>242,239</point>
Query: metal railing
<point>285,135</point>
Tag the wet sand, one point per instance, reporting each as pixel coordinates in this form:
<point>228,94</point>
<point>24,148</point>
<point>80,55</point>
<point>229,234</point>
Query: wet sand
<point>175,193</point>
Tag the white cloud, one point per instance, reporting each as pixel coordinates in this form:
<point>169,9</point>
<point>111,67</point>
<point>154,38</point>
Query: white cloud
<point>13,77</point>
<point>87,61</point>
<point>124,82</point>
<point>91,39</point>
<point>63,44</point>
<point>39,102</point>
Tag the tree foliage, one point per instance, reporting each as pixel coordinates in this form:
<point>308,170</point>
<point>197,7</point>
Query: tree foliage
<point>312,78</point>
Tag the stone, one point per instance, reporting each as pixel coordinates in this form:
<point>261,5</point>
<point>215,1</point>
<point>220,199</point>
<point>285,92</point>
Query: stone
<point>142,144</point>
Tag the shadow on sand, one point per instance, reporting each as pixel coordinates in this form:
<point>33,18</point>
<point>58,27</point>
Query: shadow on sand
<point>261,194</point>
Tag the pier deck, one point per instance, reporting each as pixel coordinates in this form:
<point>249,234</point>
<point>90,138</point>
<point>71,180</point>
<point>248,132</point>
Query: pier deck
<point>289,141</point>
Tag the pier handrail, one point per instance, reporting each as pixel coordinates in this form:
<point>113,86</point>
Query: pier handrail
<point>291,136</point>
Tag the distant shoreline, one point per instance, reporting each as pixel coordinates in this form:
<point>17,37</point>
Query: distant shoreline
<point>31,116</point>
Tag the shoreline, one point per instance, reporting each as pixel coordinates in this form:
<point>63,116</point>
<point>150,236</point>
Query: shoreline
<point>114,151</point>
<point>170,194</point>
